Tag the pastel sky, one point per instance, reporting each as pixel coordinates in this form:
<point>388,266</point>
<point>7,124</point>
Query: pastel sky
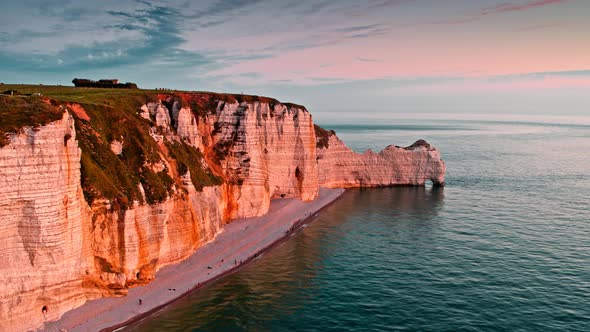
<point>460,56</point>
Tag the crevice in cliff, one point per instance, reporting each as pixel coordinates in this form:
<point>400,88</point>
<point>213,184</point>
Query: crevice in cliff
<point>29,229</point>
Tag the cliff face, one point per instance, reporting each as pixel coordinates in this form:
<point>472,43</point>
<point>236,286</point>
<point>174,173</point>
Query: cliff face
<point>340,167</point>
<point>98,201</point>
<point>261,150</point>
<point>44,233</point>
<point>61,249</point>
<point>264,152</point>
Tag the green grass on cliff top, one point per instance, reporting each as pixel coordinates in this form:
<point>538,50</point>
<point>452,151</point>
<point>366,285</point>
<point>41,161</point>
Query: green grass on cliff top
<point>17,112</point>
<point>97,95</point>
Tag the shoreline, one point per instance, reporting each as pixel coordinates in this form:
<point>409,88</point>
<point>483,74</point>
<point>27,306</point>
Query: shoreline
<point>241,242</point>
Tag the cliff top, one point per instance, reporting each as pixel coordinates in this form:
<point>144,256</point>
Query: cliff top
<point>18,112</point>
<point>36,104</point>
<point>419,144</point>
<point>95,95</point>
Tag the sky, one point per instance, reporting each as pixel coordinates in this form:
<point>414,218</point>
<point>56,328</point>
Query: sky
<point>377,56</point>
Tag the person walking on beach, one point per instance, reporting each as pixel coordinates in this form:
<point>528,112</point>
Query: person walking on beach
<point>140,301</point>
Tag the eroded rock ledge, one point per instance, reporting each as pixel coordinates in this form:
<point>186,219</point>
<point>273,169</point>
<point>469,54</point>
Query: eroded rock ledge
<point>99,200</point>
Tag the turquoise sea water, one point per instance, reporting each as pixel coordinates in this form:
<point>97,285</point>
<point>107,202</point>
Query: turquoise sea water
<point>505,246</point>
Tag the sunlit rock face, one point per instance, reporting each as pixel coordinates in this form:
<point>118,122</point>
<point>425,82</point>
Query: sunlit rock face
<point>131,245</point>
<point>340,167</point>
<point>44,226</point>
<point>264,152</point>
<point>57,250</point>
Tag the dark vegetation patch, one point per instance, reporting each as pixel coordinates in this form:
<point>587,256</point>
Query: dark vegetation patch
<point>322,137</point>
<point>18,112</point>
<point>232,98</point>
<point>221,150</point>
<point>117,178</point>
<point>204,103</point>
<point>293,105</point>
<point>417,144</point>
<point>201,105</point>
<point>260,99</point>
<point>189,158</point>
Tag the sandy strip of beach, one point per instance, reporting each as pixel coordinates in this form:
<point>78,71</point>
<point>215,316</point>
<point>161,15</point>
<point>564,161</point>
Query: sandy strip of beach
<point>240,242</point>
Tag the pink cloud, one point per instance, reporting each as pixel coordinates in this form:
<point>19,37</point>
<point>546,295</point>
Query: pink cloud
<point>510,7</point>
<point>498,9</point>
<point>541,26</point>
<point>514,85</point>
<point>455,21</point>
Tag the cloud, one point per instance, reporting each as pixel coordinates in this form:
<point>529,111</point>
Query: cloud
<point>582,73</point>
<point>362,31</point>
<point>160,44</point>
<point>368,60</point>
<point>454,21</point>
<point>251,75</point>
<point>550,80</point>
<point>498,9</point>
<point>511,7</point>
<point>183,36</point>
<point>249,42</point>
<point>541,26</point>
<point>532,80</point>
<point>360,28</point>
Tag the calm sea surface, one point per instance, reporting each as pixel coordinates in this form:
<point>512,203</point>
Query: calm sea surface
<point>505,246</point>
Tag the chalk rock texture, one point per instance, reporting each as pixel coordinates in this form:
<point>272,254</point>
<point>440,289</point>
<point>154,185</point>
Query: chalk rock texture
<point>44,228</point>
<point>57,250</point>
<point>340,167</point>
<point>264,152</point>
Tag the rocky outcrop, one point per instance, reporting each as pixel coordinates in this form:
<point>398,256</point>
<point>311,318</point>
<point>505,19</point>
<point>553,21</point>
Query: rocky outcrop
<point>340,167</point>
<point>71,232</point>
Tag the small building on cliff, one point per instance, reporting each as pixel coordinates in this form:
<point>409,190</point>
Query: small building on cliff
<point>103,83</point>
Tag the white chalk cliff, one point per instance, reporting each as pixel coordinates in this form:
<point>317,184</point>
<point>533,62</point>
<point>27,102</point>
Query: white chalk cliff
<point>58,250</point>
<point>340,167</point>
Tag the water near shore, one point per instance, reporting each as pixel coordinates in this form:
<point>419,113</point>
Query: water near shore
<point>505,246</point>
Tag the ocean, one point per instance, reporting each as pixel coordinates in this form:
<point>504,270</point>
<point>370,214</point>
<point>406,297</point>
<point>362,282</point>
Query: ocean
<point>505,246</point>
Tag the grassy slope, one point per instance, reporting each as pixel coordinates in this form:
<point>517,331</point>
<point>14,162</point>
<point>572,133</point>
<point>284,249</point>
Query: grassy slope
<point>17,112</point>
